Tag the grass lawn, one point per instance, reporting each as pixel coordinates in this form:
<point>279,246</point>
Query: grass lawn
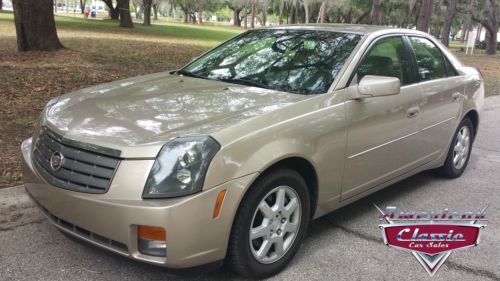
<point>98,51</point>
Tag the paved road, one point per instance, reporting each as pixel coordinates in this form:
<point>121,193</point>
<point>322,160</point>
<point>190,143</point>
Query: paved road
<point>344,245</point>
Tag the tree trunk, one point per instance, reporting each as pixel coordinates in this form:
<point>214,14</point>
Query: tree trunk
<point>125,17</point>
<point>479,31</point>
<point>436,30</point>
<point>82,6</point>
<point>35,25</point>
<point>424,16</point>
<point>55,6</point>
<point>293,12</point>
<point>155,11</point>
<point>1,5</point>
<point>306,11</point>
<point>236,16</point>
<point>322,12</point>
<point>450,13</point>
<point>147,12</point>
<point>114,12</point>
<point>491,42</point>
<point>252,19</point>
<point>200,16</point>
<point>185,9</point>
<point>377,13</point>
<point>282,7</point>
<point>265,6</point>
<point>490,21</point>
<point>245,18</point>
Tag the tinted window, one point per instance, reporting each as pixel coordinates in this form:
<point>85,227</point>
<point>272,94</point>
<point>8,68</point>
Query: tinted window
<point>298,61</point>
<point>386,58</point>
<point>450,70</point>
<point>430,60</point>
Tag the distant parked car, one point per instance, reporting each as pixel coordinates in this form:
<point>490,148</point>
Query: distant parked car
<point>231,156</point>
<point>482,45</point>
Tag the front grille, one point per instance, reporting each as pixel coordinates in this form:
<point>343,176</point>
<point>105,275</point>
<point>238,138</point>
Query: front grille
<point>81,170</point>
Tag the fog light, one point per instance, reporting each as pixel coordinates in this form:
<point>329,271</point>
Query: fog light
<point>152,240</point>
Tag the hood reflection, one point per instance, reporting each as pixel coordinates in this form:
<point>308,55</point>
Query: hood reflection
<point>156,108</point>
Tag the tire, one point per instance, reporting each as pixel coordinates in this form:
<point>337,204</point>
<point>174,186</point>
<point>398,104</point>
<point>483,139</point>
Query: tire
<point>243,253</point>
<point>450,168</point>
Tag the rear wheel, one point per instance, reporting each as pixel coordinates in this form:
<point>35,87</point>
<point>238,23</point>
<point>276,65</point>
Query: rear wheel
<point>460,149</point>
<point>270,225</point>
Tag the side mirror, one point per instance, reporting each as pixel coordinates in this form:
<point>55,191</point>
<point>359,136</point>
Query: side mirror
<point>378,86</point>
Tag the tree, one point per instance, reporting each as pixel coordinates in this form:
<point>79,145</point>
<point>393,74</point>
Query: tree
<point>1,5</point>
<point>156,4</point>
<point>424,15</point>
<point>82,6</point>
<point>35,25</point>
<point>490,20</point>
<point>450,13</point>
<point>377,13</point>
<point>125,17</point>
<point>237,6</point>
<point>252,19</point>
<point>436,19</point>
<point>265,7</point>
<point>147,12</point>
<point>138,8</point>
<point>281,9</point>
<point>305,3</point>
<point>114,12</point>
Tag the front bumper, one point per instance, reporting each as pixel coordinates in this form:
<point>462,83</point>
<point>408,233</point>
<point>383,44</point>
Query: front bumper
<point>110,220</point>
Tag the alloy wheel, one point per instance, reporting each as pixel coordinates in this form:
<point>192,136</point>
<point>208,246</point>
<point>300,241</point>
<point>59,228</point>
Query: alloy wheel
<point>275,224</point>
<point>461,148</point>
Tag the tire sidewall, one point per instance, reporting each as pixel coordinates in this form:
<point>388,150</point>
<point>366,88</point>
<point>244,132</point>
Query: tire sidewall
<point>281,177</point>
<point>449,167</point>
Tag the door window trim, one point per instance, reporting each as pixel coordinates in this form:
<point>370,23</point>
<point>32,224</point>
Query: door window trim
<point>414,58</point>
<point>370,47</point>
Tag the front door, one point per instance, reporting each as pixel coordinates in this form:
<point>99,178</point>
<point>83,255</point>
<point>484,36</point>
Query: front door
<point>382,131</point>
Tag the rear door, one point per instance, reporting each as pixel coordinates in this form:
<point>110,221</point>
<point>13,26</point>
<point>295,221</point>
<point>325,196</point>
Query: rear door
<point>442,96</point>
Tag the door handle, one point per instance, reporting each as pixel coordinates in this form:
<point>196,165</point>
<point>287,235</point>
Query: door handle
<point>413,111</point>
<point>455,96</point>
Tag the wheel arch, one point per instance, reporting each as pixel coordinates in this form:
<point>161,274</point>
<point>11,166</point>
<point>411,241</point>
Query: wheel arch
<point>473,115</point>
<point>302,166</point>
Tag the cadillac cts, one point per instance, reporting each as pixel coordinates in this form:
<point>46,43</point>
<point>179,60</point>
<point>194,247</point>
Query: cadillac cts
<point>230,157</point>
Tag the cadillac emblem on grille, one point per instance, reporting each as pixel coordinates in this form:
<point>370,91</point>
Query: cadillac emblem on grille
<point>56,161</point>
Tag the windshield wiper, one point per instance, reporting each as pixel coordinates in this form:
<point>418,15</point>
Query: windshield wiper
<point>190,74</point>
<point>246,83</point>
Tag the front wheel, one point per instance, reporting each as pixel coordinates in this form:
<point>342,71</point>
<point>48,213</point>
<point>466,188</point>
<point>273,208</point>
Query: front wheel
<point>460,149</point>
<point>270,224</point>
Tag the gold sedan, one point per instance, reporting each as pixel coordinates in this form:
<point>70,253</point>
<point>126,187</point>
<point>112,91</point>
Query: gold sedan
<point>230,157</point>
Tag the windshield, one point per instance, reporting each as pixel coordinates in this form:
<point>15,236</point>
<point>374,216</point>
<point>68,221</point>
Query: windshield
<point>297,61</point>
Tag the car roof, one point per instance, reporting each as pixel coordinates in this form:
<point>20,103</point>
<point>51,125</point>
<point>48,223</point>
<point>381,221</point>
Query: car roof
<point>348,28</point>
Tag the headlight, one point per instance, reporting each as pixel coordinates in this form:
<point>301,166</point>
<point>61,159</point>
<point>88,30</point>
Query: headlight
<point>180,167</point>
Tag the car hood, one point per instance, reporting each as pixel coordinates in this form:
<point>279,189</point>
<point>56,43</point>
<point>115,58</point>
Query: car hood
<point>138,115</point>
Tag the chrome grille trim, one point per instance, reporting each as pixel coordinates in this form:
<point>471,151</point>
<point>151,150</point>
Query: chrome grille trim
<point>82,170</point>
